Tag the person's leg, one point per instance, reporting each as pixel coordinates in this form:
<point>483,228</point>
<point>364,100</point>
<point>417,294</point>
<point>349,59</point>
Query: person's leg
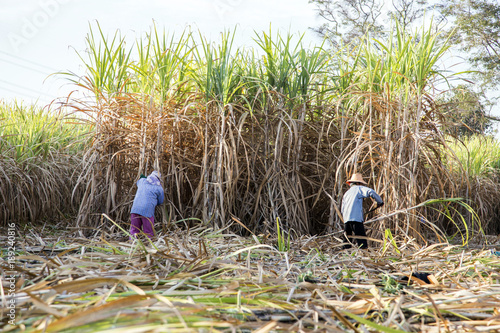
<point>348,232</point>
<point>147,226</point>
<point>359,230</point>
<point>135,224</point>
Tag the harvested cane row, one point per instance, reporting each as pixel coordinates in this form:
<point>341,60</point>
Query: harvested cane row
<point>218,281</point>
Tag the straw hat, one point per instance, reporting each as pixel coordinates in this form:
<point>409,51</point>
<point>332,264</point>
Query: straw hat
<point>356,178</point>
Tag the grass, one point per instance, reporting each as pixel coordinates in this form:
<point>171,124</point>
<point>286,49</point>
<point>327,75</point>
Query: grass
<point>283,242</point>
<point>479,156</point>
<point>174,285</point>
<point>30,133</point>
<point>40,155</point>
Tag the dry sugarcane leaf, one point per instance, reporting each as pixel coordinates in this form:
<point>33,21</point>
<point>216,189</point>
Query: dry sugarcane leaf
<point>79,286</point>
<point>433,279</point>
<point>40,304</point>
<point>100,312</point>
<point>267,327</point>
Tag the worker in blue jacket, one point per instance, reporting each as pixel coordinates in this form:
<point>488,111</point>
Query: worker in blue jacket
<point>352,209</point>
<point>149,194</point>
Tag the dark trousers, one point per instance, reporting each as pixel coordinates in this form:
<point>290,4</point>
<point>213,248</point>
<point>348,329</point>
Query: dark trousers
<point>140,223</point>
<point>356,229</point>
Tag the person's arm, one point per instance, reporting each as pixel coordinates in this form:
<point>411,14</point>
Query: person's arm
<point>161,197</point>
<point>377,198</point>
<point>374,195</point>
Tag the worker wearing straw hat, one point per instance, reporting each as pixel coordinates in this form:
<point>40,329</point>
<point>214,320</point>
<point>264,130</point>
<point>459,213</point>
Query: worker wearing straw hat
<point>149,194</point>
<point>352,208</point>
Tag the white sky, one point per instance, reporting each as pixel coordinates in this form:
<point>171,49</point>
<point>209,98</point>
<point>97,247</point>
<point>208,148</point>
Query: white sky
<point>40,37</point>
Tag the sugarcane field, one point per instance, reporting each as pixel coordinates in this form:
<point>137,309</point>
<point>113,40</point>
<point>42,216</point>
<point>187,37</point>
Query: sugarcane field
<point>196,185</point>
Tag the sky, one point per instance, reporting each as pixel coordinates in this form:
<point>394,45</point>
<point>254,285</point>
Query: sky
<point>41,37</point>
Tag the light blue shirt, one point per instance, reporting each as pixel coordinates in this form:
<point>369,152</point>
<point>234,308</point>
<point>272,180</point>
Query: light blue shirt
<point>146,198</point>
<point>352,202</point>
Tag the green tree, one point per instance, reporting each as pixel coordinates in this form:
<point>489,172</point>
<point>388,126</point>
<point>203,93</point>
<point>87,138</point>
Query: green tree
<point>348,20</point>
<point>406,12</point>
<point>477,23</point>
<point>465,112</point>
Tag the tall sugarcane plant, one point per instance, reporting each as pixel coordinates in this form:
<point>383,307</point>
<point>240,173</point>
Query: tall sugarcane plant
<point>162,63</point>
<point>394,113</point>
<point>269,132</point>
<point>106,63</point>
<point>40,155</point>
<point>216,69</point>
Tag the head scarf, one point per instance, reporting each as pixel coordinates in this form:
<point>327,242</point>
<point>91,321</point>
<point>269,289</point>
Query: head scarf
<point>154,178</point>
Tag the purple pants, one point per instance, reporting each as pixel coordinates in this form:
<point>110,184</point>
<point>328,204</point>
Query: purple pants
<point>141,223</point>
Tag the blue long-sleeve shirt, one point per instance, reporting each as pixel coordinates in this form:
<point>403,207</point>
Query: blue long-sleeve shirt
<point>352,202</point>
<point>146,198</point>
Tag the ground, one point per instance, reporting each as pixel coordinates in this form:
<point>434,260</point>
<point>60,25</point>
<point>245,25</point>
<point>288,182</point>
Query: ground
<point>205,280</point>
